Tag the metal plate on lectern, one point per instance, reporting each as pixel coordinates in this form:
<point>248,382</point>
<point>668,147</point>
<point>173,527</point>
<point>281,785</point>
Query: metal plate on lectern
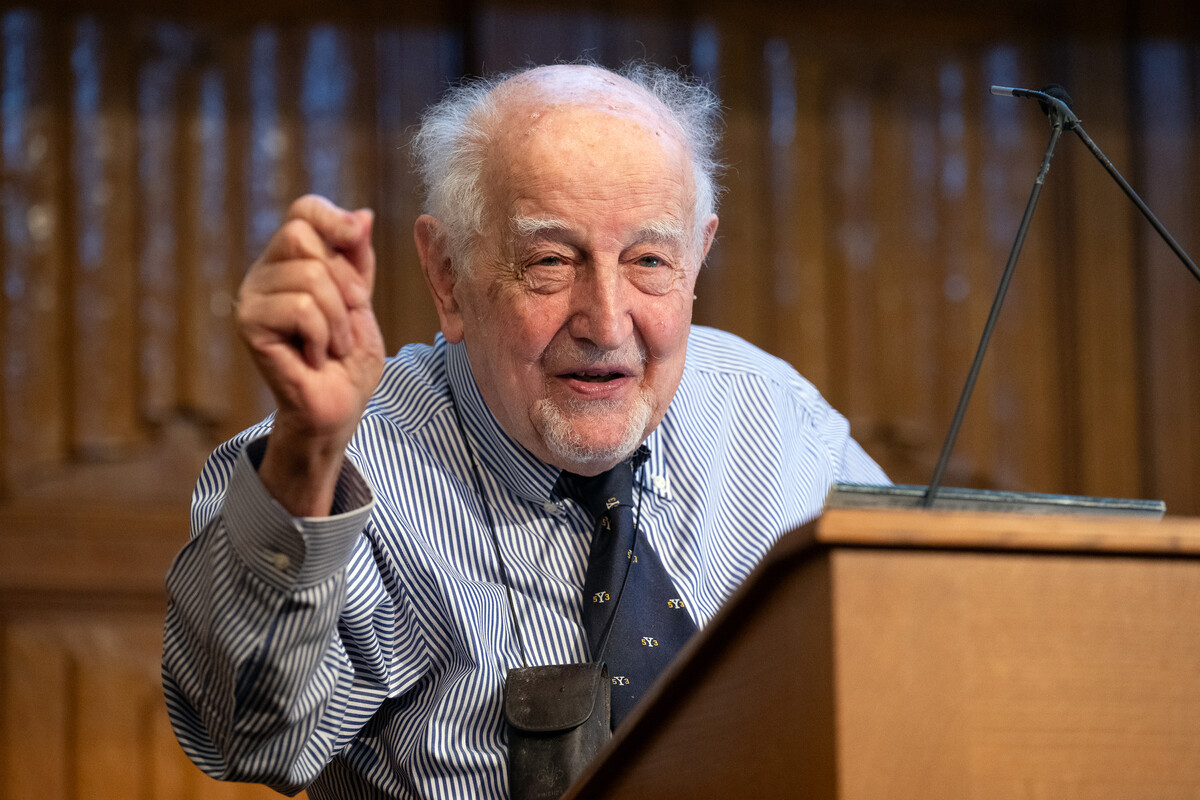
<point>855,495</point>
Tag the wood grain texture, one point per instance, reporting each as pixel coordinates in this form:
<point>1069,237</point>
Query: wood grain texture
<point>33,384</point>
<point>83,710</point>
<point>1002,676</point>
<point>1000,531</point>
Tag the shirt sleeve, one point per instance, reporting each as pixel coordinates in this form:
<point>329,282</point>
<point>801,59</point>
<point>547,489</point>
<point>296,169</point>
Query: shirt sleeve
<point>255,672</point>
<point>855,466</point>
<point>848,461</point>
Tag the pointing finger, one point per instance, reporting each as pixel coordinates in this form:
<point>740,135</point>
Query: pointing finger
<point>341,230</point>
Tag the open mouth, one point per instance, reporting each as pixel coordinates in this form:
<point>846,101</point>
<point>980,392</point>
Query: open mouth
<point>594,377</point>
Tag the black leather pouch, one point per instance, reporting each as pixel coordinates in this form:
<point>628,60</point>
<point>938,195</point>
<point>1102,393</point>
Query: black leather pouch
<point>558,719</point>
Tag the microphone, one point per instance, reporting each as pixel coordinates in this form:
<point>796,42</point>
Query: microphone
<point>1053,99</point>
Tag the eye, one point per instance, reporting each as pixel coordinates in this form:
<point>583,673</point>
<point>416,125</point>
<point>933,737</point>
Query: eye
<point>652,274</point>
<point>547,273</point>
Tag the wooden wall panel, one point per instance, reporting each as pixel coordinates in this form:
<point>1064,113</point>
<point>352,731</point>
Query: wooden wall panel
<point>1103,279</point>
<point>799,211</point>
<point>415,64</point>
<point>917,133</point>
<point>36,711</point>
<point>83,710</point>
<point>1170,316</point>
<point>740,297</point>
<point>104,274</point>
<point>874,190</point>
<point>33,395</point>
<point>208,231</point>
<point>165,252</point>
<point>235,66</point>
<point>855,254</point>
<point>969,272</point>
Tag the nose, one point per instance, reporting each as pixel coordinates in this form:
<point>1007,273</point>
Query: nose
<point>601,307</point>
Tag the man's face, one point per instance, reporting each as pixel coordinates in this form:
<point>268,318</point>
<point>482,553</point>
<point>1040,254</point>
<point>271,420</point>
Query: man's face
<point>577,305</point>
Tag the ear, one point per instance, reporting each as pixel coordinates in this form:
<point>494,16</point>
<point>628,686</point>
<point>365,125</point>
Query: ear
<point>710,233</point>
<point>439,275</point>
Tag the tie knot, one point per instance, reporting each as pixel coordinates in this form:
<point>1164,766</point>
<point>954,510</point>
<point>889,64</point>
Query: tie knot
<point>605,491</point>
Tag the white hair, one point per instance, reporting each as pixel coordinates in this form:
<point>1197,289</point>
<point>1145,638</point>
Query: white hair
<point>452,141</point>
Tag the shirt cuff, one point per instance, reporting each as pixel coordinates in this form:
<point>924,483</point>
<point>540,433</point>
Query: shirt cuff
<point>292,552</point>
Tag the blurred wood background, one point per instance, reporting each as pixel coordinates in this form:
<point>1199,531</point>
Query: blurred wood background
<point>148,149</point>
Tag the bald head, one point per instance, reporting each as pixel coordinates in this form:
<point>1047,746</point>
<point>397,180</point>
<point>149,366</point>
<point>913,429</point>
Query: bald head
<point>578,85</point>
<point>468,134</point>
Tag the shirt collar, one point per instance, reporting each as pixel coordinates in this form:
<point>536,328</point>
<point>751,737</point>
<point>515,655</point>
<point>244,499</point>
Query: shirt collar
<point>653,474</point>
<point>519,470</point>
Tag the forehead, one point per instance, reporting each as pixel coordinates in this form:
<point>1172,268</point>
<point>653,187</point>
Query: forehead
<point>580,140</point>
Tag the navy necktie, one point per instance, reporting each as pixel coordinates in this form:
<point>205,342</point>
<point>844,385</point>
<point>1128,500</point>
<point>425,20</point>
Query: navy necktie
<point>626,588</point>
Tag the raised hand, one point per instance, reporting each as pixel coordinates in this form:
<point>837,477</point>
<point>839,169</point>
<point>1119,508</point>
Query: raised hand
<point>304,310</point>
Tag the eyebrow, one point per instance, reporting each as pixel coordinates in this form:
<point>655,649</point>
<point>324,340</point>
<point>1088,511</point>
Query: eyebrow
<point>665,231</point>
<point>532,227</point>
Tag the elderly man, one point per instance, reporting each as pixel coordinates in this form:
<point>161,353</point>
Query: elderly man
<point>367,565</point>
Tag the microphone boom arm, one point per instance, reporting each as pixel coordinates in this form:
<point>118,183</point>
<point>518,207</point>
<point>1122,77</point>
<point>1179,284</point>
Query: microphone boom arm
<point>1072,123</point>
<point>1137,201</point>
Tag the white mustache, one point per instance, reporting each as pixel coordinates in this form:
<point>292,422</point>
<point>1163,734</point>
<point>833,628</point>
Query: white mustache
<point>568,352</point>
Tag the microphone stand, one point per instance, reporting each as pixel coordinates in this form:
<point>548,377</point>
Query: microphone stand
<point>1055,103</point>
<point>1058,121</point>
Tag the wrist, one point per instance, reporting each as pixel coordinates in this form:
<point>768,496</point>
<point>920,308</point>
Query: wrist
<point>300,471</point>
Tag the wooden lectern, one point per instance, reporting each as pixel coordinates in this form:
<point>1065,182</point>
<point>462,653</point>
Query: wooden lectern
<point>891,654</point>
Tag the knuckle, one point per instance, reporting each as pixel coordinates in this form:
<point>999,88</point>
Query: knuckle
<point>295,235</point>
<point>305,306</point>
<point>311,272</point>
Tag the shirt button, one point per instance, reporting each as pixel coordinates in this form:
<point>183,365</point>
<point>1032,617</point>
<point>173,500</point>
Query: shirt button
<point>281,561</point>
<point>659,483</point>
<point>551,507</point>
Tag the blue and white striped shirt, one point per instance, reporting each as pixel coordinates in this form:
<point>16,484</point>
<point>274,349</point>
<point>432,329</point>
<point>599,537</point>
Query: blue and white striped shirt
<point>363,655</point>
